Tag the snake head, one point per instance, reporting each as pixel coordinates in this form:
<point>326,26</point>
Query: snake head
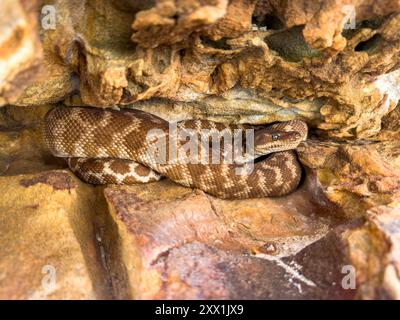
<point>267,141</point>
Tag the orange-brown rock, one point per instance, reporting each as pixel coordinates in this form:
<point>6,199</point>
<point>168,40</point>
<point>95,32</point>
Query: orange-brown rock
<point>176,244</point>
<point>344,81</point>
<point>48,239</point>
<point>374,253</point>
<point>170,21</point>
<point>358,260</point>
<point>161,237</point>
<point>355,176</point>
<point>20,48</point>
<point>21,146</point>
<point>236,61</point>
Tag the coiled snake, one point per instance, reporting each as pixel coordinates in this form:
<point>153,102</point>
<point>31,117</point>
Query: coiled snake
<point>113,147</point>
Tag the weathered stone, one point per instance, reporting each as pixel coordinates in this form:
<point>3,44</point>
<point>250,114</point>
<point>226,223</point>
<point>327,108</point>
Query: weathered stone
<point>379,265</point>
<point>171,248</point>
<point>47,235</point>
<point>149,225</point>
<point>361,256</point>
<point>231,61</point>
<point>20,48</point>
<point>355,176</point>
<point>21,145</point>
<point>342,83</point>
<point>169,22</point>
<point>324,21</point>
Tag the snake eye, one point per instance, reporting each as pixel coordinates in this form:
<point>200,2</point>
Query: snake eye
<point>275,137</point>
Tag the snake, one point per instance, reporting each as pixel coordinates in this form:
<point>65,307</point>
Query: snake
<point>131,146</point>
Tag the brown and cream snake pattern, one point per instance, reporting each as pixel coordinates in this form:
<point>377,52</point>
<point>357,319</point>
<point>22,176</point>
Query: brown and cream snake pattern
<point>112,147</point>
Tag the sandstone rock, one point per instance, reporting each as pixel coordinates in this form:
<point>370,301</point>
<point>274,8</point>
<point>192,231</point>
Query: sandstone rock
<point>373,250</point>
<point>160,234</point>
<point>355,176</point>
<point>324,21</point>
<point>219,54</point>
<point>20,48</point>
<point>48,244</point>
<point>171,249</point>
<point>365,248</point>
<point>169,22</point>
<point>231,61</point>
<point>234,106</point>
<point>21,146</point>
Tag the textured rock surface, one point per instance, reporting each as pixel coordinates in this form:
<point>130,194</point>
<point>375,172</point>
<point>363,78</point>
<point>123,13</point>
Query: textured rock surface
<point>189,50</point>
<point>373,250</point>
<point>171,240</point>
<point>356,176</point>
<point>239,61</point>
<point>20,48</point>
<point>48,244</point>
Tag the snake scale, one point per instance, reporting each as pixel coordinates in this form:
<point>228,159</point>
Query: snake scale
<point>112,147</point>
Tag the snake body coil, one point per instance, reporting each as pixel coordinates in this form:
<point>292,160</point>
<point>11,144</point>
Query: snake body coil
<point>110,146</point>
